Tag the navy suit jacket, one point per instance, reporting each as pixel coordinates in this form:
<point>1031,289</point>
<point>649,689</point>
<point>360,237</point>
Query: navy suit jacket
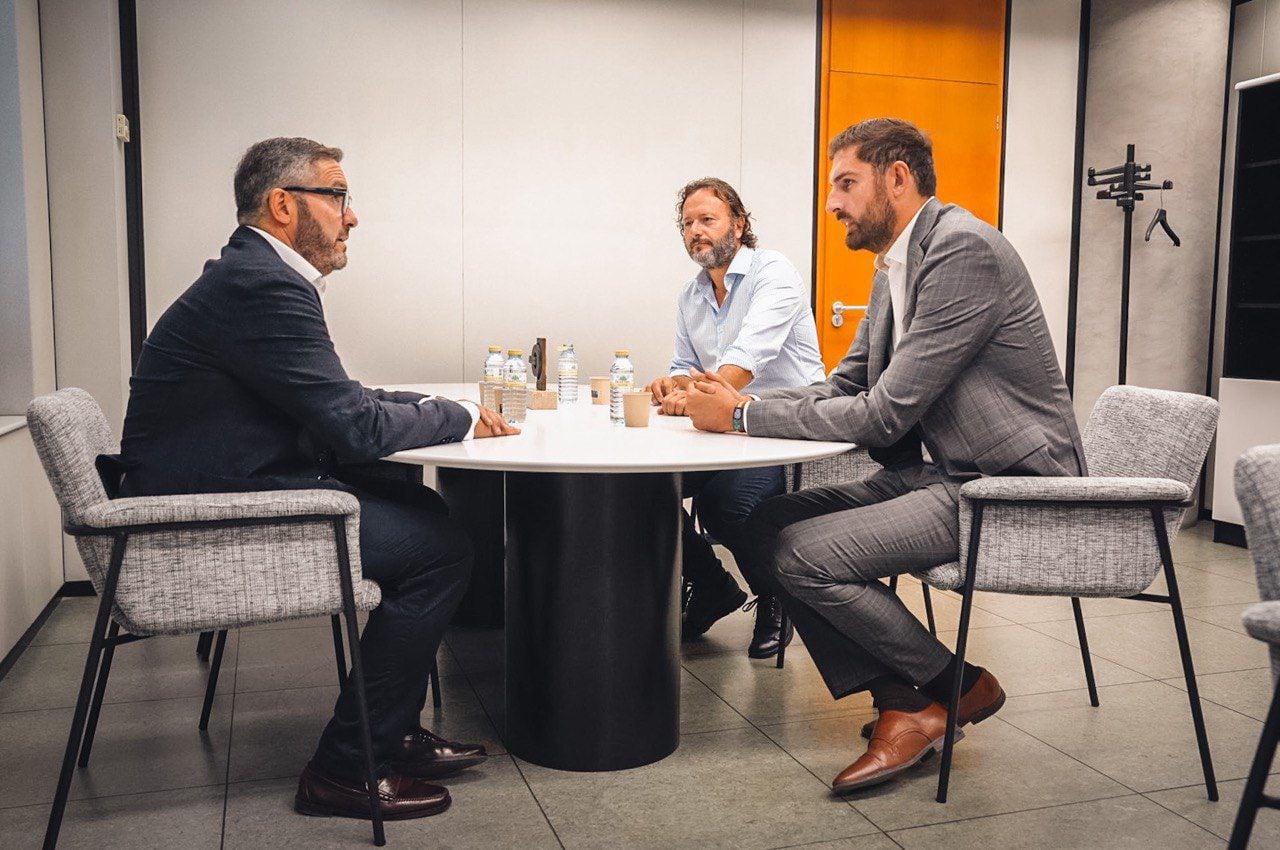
<point>238,387</point>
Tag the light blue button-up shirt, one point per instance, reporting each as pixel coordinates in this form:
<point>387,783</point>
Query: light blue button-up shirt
<point>764,325</point>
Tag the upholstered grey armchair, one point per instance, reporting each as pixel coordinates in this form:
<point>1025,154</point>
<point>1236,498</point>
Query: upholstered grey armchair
<point>174,565</point>
<point>1104,535</point>
<point>1258,491</point>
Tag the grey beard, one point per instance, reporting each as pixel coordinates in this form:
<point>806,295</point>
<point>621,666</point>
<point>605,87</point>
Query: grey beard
<point>313,246</point>
<point>720,253</point>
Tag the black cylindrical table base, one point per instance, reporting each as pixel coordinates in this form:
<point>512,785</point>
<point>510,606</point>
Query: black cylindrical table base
<point>593,631</point>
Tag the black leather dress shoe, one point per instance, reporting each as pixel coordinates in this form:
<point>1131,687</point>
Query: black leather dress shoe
<point>708,604</point>
<point>425,755</point>
<point>768,638</point>
<point>402,797</point>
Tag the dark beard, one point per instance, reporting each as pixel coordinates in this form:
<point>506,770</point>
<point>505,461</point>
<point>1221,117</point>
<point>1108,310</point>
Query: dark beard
<point>720,253</point>
<point>311,243</point>
<point>874,230</point>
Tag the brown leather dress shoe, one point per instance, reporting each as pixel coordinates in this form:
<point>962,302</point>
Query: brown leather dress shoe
<point>900,740</point>
<point>403,797</point>
<point>425,755</point>
<point>984,699</point>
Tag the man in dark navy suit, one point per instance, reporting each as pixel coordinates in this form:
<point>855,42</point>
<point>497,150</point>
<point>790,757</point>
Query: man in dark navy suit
<point>239,387</point>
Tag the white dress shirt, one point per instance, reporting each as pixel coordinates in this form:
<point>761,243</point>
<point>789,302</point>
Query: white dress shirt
<point>893,263</point>
<point>299,264</point>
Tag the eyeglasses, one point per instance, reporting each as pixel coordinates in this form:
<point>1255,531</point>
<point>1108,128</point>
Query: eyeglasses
<point>339,192</point>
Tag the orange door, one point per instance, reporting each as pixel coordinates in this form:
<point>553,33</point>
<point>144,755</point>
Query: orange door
<point>937,64</point>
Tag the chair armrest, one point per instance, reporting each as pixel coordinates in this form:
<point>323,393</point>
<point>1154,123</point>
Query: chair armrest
<point>1076,489</point>
<point>214,507</point>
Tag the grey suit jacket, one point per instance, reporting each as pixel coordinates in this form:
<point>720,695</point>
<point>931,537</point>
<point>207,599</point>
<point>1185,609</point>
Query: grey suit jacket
<point>974,375</point>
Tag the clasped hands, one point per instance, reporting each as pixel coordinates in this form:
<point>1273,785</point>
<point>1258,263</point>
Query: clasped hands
<point>706,398</point>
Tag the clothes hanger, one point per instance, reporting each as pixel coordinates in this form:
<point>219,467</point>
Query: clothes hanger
<point>1162,218</point>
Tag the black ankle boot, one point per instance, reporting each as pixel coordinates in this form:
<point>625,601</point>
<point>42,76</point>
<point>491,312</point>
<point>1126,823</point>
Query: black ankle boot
<point>708,602</point>
<point>768,637</point>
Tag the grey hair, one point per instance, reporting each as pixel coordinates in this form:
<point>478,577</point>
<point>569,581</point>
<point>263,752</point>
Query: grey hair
<point>273,163</point>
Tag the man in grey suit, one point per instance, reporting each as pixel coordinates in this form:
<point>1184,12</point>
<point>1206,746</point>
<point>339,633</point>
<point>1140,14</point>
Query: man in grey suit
<point>951,376</point>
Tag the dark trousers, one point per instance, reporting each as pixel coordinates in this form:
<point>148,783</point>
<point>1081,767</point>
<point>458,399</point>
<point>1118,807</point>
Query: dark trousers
<point>724,502</point>
<point>422,561</point>
<point>824,551</point>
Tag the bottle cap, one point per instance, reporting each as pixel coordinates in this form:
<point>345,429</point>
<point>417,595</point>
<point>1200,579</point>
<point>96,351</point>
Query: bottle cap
<point>495,348</point>
<point>514,351</point>
<point>622,352</point>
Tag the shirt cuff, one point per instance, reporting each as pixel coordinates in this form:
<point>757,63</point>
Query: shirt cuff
<point>746,428</point>
<point>468,406</point>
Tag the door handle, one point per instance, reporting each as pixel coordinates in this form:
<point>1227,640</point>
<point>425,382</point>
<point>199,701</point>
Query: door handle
<point>837,312</point>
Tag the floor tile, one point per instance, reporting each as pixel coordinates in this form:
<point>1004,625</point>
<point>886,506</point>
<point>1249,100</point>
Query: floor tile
<point>1220,817</point>
<point>875,841</point>
<point>1199,588</point>
<point>139,747</point>
<point>996,769</point>
<point>156,668</point>
<point>1246,691</point>
<point>1141,735</point>
<point>1147,643</point>
<point>188,818</point>
<point>1237,569</point>
<point>462,716</point>
<point>477,650</point>
<point>1225,616</point>
<point>70,621</point>
<point>492,807</point>
<point>719,789</point>
<point>1197,545</point>
<point>1131,821</point>
<point>1028,662</point>
<point>764,694</point>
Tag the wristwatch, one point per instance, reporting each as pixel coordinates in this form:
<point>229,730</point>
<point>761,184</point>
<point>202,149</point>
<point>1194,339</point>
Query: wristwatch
<point>739,416</point>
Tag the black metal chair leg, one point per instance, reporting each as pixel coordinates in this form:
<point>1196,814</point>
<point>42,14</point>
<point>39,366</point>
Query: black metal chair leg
<point>893,583</point>
<point>357,672</point>
<point>1084,652</point>
<point>203,644</point>
<point>434,684</point>
<point>1254,787</point>
<point>338,653</point>
<point>99,691</point>
<point>928,610</point>
<point>212,686</point>
<point>86,687</point>
<point>962,639</point>
<point>1184,647</point>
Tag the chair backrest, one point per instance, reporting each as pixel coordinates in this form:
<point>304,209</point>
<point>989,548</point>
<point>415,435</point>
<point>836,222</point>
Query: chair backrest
<point>1135,432</point>
<point>69,431</point>
<point>1258,491</point>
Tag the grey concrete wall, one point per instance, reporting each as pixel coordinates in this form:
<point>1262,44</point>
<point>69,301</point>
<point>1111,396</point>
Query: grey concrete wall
<point>1156,76</point>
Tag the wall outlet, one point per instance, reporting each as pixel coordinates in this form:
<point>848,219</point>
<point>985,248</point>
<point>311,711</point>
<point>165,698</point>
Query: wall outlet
<point>122,128</point>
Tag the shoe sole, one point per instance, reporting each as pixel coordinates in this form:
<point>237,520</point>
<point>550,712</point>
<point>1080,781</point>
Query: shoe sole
<point>438,769</point>
<point>771,653</point>
<point>933,747</point>
<point>978,717</point>
<point>316,810</point>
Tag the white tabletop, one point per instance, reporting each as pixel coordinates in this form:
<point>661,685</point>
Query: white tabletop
<point>581,439</point>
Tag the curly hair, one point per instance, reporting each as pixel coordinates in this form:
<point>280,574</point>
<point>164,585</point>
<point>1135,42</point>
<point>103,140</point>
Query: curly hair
<point>724,192</point>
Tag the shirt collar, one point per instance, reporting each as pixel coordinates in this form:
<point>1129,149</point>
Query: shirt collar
<point>739,265</point>
<point>897,252</point>
<point>294,260</point>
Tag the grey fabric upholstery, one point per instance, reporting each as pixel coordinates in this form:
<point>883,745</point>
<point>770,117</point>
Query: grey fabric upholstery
<point>1027,548</point>
<point>195,580</point>
<point>1258,491</point>
<point>851,466</point>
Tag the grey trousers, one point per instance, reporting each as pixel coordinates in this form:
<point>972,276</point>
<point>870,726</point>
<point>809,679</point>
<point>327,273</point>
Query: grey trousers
<point>825,548</point>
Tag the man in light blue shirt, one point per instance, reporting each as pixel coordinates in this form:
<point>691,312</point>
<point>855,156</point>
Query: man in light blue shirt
<point>747,317</point>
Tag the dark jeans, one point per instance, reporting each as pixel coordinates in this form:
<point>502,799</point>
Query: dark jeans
<point>422,561</point>
<point>724,501</point>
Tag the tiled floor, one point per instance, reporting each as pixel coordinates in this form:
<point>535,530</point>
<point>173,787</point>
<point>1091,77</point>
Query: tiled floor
<point>758,749</point>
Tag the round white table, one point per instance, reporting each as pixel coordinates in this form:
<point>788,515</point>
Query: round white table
<point>592,568</point>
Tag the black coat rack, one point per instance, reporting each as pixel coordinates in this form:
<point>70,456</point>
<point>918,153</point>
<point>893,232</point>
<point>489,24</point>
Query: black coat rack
<point>1125,184</point>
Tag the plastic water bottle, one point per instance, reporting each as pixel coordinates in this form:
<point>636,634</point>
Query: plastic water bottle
<point>622,378</point>
<point>494,367</point>
<point>515,388</point>
<point>567,376</point>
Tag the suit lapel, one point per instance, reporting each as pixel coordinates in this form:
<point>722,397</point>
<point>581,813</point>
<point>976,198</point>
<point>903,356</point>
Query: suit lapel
<point>880,313</point>
<point>915,256</point>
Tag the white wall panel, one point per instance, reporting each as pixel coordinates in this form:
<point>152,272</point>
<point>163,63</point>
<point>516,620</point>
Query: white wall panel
<point>379,80</point>
<point>30,538</point>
